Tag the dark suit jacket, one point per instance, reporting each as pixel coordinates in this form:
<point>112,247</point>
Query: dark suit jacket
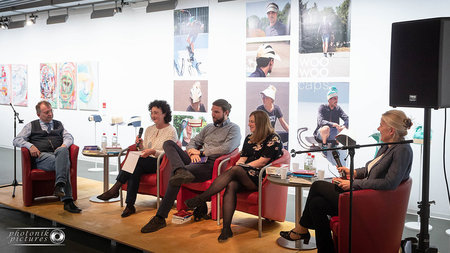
<point>387,173</point>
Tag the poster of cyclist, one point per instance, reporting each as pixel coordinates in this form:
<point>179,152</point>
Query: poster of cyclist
<point>191,41</point>
<point>324,38</point>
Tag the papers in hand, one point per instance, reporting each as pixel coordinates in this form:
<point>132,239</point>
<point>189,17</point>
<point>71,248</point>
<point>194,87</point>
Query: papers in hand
<point>131,161</point>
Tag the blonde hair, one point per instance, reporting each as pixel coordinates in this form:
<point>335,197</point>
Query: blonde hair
<point>263,128</point>
<point>399,121</point>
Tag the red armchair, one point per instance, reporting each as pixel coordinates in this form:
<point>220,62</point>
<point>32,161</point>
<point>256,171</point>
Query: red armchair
<point>150,184</point>
<point>191,190</point>
<point>269,201</point>
<point>40,183</point>
<point>378,220</point>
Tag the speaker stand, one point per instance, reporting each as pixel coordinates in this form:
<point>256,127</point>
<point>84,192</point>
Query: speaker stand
<point>415,225</point>
<point>423,243</point>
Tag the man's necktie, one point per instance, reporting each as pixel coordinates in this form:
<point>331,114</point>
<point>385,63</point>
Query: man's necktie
<point>49,128</point>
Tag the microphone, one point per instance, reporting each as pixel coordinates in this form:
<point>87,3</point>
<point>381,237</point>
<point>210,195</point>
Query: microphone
<point>141,130</point>
<point>338,161</point>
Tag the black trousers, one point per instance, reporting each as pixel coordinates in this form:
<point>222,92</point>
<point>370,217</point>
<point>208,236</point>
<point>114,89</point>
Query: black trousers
<point>180,159</point>
<point>322,201</point>
<point>144,166</point>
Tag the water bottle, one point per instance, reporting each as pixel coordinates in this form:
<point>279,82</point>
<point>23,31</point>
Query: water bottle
<point>114,140</point>
<point>104,142</point>
<point>312,166</point>
<point>306,163</point>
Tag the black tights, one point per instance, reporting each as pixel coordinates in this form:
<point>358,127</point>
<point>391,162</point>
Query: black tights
<point>233,180</point>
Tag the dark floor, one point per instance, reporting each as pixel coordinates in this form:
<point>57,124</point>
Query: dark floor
<point>78,241</point>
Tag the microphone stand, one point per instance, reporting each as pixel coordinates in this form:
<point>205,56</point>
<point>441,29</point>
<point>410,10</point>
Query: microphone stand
<point>14,183</point>
<point>351,152</point>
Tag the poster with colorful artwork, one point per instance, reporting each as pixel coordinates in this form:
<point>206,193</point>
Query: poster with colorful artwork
<point>87,83</point>
<point>5,84</point>
<point>19,84</point>
<point>48,76</point>
<point>67,81</point>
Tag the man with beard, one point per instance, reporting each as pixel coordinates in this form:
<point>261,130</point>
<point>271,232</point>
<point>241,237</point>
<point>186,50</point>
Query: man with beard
<point>275,27</point>
<point>328,120</point>
<point>265,59</point>
<point>215,140</point>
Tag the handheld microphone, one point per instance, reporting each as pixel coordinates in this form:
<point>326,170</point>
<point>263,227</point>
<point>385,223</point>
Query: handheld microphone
<point>338,161</point>
<point>141,130</point>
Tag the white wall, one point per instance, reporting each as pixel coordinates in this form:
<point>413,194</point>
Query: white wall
<point>135,54</point>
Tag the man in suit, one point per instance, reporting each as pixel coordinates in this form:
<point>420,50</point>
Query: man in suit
<point>48,142</point>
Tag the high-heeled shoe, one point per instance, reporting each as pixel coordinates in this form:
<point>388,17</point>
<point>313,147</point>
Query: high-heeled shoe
<point>129,210</point>
<point>287,235</point>
<point>194,203</point>
<point>225,234</point>
<point>201,212</point>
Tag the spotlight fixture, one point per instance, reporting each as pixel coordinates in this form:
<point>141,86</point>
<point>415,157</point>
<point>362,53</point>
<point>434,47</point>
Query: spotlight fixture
<point>32,19</point>
<point>4,23</point>
<point>57,18</point>
<point>162,6</point>
<point>103,13</point>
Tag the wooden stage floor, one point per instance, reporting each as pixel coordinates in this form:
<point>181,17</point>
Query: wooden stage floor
<point>103,219</point>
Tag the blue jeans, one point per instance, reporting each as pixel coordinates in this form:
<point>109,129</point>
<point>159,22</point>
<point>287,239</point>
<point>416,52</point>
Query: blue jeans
<point>59,162</point>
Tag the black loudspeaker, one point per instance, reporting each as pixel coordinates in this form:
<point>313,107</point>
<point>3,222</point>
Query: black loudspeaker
<point>420,63</point>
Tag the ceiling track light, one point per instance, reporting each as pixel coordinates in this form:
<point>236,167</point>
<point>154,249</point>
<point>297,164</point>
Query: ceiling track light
<point>57,19</point>
<point>32,19</point>
<point>103,13</point>
<point>161,6</point>
<point>4,23</point>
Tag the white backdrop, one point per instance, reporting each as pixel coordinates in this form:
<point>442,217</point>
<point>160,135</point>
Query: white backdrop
<point>134,50</point>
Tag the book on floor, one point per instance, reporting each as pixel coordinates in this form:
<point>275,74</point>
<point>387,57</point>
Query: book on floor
<point>181,217</point>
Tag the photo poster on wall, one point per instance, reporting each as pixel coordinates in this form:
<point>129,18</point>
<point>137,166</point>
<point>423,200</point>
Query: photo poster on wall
<point>273,98</point>
<point>19,84</point>
<point>188,126</point>
<point>191,29</point>
<point>88,85</point>
<point>5,84</point>
<point>268,18</point>
<point>190,96</point>
<point>48,75</point>
<point>311,97</point>
<point>324,34</point>
<point>67,81</point>
<point>278,67</point>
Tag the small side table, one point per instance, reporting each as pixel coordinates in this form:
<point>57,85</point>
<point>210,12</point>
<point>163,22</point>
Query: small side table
<point>105,175</point>
<point>299,245</point>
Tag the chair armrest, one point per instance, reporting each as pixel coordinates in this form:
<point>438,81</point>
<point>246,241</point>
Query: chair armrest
<point>26,163</point>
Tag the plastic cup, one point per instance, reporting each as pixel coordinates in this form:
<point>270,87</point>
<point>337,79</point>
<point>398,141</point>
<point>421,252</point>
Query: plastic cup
<point>295,166</point>
<point>320,174</point>
<point>283,172</point>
